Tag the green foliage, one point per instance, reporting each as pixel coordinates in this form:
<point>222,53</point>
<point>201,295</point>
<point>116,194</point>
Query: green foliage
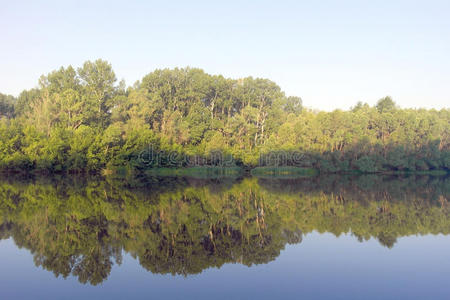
<point>82,120</point>
<point>385,105</point>
<point>7,103</point>
<point>366,164</point>
<point>291,172</point>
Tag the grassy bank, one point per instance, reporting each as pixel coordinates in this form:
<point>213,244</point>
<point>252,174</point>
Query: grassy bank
<point>198,172</point>
<point>283,172</point>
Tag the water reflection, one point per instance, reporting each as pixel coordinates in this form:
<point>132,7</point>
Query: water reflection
<point>81,226</point>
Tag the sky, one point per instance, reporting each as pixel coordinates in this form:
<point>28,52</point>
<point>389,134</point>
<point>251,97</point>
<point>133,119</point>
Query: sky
<point>332,54</point>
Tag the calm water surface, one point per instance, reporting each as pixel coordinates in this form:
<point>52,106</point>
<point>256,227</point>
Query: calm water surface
<point>366,237</point>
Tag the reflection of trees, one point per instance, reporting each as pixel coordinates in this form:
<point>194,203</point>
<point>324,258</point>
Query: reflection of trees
<point>184,226</point>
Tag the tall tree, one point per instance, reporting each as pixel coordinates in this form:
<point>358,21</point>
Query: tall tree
<point>99,88</point>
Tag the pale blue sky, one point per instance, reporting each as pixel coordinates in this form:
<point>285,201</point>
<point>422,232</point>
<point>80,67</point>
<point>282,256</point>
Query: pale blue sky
<point>330,53</point>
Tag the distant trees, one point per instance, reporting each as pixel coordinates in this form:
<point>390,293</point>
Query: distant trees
<point>99,123</point>
<point>369,139</point>
<point>385,105</point>
<point>7,103</point>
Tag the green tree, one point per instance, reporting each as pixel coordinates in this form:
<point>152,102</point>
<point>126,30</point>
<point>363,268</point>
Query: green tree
<point>7,106</point>
<point>385,104</point>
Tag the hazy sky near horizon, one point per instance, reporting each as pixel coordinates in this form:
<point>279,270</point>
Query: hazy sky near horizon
<point>330,53</point>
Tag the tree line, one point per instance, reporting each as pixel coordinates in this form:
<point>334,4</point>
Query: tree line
<point>84,120</point>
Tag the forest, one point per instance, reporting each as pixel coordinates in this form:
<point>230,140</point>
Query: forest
<point>83,120</point>
<point>82,226</point>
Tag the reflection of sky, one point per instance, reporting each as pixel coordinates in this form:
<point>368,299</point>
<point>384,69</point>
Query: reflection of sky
<point>322,266</point>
